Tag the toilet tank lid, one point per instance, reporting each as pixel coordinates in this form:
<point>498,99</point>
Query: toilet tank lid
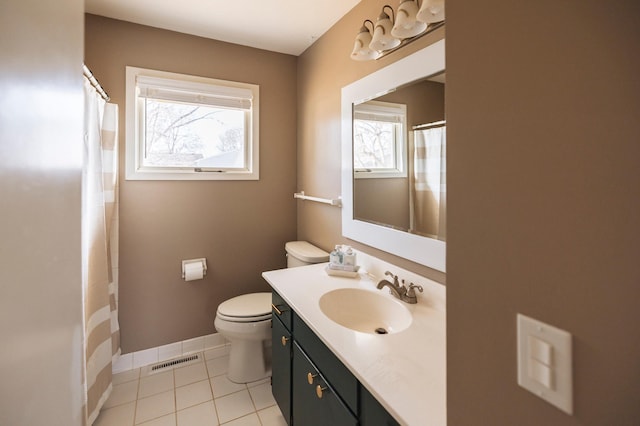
<point>306,252</point>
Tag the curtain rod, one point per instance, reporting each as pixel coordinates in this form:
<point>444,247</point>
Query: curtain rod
<point>430,125</point>
<point>94,82</point>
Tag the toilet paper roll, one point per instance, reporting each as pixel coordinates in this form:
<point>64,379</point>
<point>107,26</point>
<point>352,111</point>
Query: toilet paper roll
<point>193,271</point>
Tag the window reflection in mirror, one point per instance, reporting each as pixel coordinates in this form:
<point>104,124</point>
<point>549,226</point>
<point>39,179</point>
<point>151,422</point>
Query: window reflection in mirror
<point>379,139</point>
<point>399,142</point>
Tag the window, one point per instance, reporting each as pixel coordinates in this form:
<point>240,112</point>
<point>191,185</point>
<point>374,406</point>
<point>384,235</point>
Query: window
<point>379,140</point>
<point>182,127</point>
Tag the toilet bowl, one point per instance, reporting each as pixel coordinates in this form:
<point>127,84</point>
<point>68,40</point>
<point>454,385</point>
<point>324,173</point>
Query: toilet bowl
<point>245,321</point>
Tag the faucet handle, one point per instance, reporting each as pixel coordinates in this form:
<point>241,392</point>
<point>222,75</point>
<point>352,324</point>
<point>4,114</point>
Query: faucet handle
<point>411,290</point>
<point>395,279</point>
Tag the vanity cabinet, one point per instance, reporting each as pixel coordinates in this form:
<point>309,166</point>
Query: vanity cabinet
<point>310,384</point>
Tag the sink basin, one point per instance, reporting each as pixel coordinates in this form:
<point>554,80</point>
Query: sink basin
<point>365,311</point>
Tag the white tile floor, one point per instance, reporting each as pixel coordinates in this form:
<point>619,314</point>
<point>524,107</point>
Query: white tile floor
<point>198,394</point>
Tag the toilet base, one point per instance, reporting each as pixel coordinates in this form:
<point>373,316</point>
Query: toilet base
<point>247,362</point>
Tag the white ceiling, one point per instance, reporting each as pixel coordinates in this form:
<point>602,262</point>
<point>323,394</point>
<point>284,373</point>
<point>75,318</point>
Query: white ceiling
<point>286,26</point>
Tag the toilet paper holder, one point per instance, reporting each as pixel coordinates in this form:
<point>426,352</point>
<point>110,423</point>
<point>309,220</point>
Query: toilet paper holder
<point>202,261</point>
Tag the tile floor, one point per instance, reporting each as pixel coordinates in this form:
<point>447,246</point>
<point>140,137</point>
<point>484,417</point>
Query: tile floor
<point>197,394</point>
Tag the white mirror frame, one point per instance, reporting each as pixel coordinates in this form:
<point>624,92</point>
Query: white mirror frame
<point>425,251</point>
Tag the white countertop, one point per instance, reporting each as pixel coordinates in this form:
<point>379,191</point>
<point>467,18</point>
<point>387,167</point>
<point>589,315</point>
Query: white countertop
<point>405,371</point>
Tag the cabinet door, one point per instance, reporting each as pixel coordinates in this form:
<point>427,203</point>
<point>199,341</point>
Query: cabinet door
<point>281,367</point>
<point>372,413</point>
<point>333,370</point>
<point>315,403</point>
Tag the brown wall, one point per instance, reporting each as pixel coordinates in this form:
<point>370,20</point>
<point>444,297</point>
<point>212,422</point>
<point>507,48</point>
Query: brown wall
<point>424,100</point>
<point>240,227</point>
<point>543,101</point>
<point>542,105</point>
<point>384,201</point>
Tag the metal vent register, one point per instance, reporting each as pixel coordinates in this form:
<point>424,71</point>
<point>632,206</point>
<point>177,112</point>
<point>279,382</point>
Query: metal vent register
<point>156,368</point>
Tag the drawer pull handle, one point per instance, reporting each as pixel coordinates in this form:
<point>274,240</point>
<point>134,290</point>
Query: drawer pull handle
<point>310,377</point>
<point>278,311</point>
<point>284,340</point>
<point>319,390</point>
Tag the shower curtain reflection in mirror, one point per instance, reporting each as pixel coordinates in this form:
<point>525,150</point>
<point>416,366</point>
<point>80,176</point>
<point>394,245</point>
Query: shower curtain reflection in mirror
<point>428,194</point>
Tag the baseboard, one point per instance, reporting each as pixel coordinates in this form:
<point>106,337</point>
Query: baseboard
<point>139,359</point>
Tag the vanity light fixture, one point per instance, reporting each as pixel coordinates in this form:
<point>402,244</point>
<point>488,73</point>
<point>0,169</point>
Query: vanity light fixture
<point>406,24</point>
<point>382,38</point>
<point>412,20</point>
<point>361,49</point>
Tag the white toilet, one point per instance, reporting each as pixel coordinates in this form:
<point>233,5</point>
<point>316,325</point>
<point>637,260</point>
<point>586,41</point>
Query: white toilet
<point>245,321</point>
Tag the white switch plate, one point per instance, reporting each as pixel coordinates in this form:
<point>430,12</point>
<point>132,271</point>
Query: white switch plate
<point>545,362</point>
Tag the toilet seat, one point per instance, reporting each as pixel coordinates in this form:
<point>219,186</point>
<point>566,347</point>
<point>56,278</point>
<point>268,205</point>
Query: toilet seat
<point>251,307</point>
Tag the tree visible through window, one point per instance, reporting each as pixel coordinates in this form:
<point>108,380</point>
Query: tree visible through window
<point>374,144</point>
<point>179,134</point>
<point>379,139</point>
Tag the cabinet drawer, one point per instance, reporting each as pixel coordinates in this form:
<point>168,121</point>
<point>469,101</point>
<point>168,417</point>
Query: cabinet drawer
<point>281,310</point>
<point>341,379</point>
<point>316,403</point>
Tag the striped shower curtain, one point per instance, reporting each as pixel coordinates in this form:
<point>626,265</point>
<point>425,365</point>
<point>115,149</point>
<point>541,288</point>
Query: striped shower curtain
<point>102,335</point>
<point>430,183</point>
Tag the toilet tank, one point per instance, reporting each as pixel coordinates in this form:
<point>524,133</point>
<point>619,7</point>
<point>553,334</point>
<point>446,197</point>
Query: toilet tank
<point>301,253</point>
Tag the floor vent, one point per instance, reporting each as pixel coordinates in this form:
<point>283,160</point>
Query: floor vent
<point>155,368</point>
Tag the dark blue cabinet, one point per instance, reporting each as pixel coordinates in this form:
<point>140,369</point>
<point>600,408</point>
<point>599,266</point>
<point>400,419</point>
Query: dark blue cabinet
<point>310,384</point>
<point>315,402</point>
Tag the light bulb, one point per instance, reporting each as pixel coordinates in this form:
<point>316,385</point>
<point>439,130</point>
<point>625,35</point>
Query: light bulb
<point>431,11</point>
<point>361,50</point>
<point>406,25</point>
<point>382,38</point>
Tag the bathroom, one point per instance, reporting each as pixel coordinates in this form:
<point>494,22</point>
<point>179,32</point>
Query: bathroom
<point>542,217</point>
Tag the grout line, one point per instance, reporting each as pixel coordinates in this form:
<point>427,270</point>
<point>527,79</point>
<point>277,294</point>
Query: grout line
<point>135,409</point>
<point>213,397</point>
<point>175,395</point>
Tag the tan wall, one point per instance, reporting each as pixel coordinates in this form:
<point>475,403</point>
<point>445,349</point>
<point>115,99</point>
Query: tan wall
<point>542,108</point>
<point>40,186</point>
<point>240,227</point>
<point>424,100</point>
<point>384,201</point>
<point>322,72</point>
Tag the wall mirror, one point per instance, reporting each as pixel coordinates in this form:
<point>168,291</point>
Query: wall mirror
<point>393,137</point>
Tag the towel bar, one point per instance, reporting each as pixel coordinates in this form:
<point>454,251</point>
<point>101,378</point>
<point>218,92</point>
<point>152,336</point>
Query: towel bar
<point>334,202</point>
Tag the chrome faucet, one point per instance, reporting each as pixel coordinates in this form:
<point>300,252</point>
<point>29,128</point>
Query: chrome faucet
<point>398,290</point>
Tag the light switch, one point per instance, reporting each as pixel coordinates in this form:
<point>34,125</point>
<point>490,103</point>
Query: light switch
<point>541,373</point>
<point>545,362</point>
<point>540,350</point>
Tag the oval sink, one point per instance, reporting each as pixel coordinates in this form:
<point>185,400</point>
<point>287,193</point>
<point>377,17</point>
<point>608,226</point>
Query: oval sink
<point>365,311</point>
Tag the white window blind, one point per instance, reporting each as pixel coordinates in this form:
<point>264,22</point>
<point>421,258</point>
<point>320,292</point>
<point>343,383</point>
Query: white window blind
<point>192,92</point>
<point>378,111</point>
